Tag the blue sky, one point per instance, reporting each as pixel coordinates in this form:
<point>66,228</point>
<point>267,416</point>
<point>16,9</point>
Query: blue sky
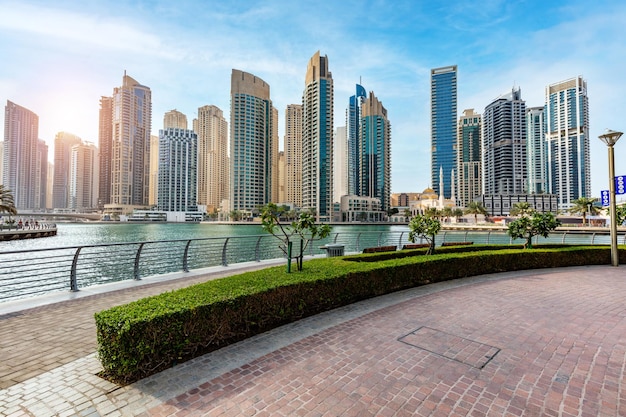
<point>58,58</point>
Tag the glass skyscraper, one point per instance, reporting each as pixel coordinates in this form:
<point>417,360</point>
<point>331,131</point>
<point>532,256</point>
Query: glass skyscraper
<point>567,137</point>
<point>178,167</point>
<point>317,138</point>
<point>353,123</point>
<point>536,150</point>
<point>469,174</point>
<point>443,127</point>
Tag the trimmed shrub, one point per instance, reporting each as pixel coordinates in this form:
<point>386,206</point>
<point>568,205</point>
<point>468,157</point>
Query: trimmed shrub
<point>152,334</point>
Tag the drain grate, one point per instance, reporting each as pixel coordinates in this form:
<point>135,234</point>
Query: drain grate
<point>451,346</point>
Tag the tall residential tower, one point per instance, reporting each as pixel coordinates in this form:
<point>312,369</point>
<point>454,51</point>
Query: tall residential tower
<point>293,154</point>
<point>469,174</point>
<point>443,127</point>
<point>213,166</point>
<point>317,138</point>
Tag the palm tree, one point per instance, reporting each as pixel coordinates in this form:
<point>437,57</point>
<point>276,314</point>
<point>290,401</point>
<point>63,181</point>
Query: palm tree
<point>447,212</point>
<point>521,209</point>
<point>584,206</point>
<point>7,203</point>
<point>476,208</point>
<point>457,213</point>
<point>432,212</point>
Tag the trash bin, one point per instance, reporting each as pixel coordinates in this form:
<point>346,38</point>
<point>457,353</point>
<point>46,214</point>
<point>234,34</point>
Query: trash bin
<point>334,250</point>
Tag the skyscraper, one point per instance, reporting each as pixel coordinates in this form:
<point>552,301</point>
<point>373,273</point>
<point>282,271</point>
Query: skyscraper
<point>154,170</point>
<point>174,118</point>
<point>105,146</point>
<point>504,145</point>
<point>178,165</point>
<point>213,165</point>
<point>63,143</point>
<point>536,150</point>
<point>567,137</point>
<point>317,138</point>
<point>25,166</point>
<point>130,150</point>
<point>83,176</point>
<point>443,127</point>
<point>293,154</point>
<point>375,152</point>
<point>340,164</point>
<point>353,152</point>
<point>469,175</point>
<point>251,135</point>
<point>273,158</point>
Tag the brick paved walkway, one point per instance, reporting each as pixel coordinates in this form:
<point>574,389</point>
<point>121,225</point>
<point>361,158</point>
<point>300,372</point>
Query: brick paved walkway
<point>549,342</point>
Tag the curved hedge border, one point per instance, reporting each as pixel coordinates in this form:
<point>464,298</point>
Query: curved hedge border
<point>149,335</point>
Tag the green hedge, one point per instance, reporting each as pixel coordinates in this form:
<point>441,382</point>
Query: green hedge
<point>149,335</point>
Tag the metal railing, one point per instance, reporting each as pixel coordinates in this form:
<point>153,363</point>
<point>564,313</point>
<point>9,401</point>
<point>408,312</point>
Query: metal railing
<point>27,273</point>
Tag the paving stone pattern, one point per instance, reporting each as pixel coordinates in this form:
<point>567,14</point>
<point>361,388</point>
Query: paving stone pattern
<point>561,336</point>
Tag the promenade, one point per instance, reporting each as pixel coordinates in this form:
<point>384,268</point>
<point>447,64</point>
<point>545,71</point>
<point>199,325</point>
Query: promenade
<point>533,343</point>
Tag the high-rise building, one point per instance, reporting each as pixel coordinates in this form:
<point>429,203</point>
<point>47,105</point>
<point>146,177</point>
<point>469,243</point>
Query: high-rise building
<point>469,175</point>
<point>281,178</point>
<point>178,167</point>
<point>353,151</point>
<point>83,177</point>
<point>536,150</point>
<point>25,158</point>
<point>340,164</point>
<point>317,139</point>
<point>105,146</point>
<point>273,157</point>
<point>504,145</point>
<point>213,165</point>
<point>293,154</point>
<point>375,157</point>
<point>63,143</point>
<point>251,135</point>
<point>1,161</point>
<point>443,128</point>
<point>130,150</point>
<point>567,137</point>
<point>154,170</point>
<point>174,118</point>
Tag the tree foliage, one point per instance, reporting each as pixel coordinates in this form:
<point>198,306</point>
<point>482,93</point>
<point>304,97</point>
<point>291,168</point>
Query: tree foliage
<point>7,203</point>
<point>424,227</point>
<point>476,208</point>
<point>533,224</point>
<point>303,227</point>
<point>584,206</point>
<point>522,208</point>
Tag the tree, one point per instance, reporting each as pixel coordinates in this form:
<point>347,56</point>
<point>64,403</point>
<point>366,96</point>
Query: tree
<point>304,227</point>
<point>476,208</point>
<point>235,215</point>
<point>533,224</point>
<point>584,206</point>
<point>7,203</point>
<point>407,214</point>
<point>521,209</point>
<point>447,212</point>
<point>432,212</point>
<point>620,214</point>
<point>424,227</point>
<point>457,213</point>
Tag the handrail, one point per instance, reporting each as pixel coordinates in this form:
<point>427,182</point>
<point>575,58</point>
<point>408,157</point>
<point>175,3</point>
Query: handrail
<point>25,273</point>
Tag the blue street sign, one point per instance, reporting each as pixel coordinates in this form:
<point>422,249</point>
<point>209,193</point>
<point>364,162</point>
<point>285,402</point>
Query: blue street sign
<point>620,185</point>
<point>605,198</point>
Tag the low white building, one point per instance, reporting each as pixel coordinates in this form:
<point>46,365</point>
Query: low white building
<point>361,209</point>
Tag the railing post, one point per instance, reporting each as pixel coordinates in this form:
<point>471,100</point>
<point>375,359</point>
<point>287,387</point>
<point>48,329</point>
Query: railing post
<point>563,239</point>
<point>224,262</point>
<point>186,257</point>
<point>400,240</point>
<point>257,253</point>
<point>136,270</point>
<point>488,236</point>
<point>593,237</point>
<point>379,236</point>
<point>73,279</point>
<point>336,236</point>
<point>358,237</point>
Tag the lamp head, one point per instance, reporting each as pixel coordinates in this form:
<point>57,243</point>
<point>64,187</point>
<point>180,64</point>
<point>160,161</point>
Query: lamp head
<point>610,137</point>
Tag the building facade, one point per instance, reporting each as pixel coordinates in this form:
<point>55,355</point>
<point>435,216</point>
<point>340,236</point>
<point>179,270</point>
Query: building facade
<point>63,144</point>
<point>293,154</point>
<point>567,141</point>
<point>130,148</point>
<point>178,167</point>
<point>504,145</point>
<point>273,158</point>
<point>469,175</point>
<point>353,148</point>
<point>317,139</point>
<point>83,177</point>
<point>443,127</point>
<point>340,164</point>
<point>536,150</point>
<point>213,164</point>
<point>175,119</point>
<point>375,152</point>
<point>25,158</point>
<point>251,135</point>
<point>154,171</point>
<point>105,146</point>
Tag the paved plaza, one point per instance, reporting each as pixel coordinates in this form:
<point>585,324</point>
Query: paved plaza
<point>530,343</point>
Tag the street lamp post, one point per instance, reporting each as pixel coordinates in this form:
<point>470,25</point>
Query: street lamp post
<point>610,138</point>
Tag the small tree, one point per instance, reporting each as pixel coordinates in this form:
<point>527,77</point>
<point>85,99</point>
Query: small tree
<point>534,224</point>
<point>584,206</point>
<point>304,227</point>
<point>7,203</point>
<point>424,227</point>
<point>235,215</point>
<point>457,213</point>
<point>447,212</point>
<point>620,214</point>
<point>521,209</point>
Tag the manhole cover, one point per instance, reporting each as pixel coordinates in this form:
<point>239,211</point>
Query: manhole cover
<point>452,347</point>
